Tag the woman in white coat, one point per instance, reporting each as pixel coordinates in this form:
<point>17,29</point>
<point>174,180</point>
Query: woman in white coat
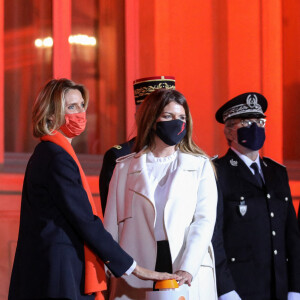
<point>162,201</point>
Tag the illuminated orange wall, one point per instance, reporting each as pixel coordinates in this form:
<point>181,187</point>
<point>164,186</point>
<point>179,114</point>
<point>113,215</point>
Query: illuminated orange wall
<point>216,50</point>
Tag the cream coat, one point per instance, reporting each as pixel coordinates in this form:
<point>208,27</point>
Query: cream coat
<point>189,219</point>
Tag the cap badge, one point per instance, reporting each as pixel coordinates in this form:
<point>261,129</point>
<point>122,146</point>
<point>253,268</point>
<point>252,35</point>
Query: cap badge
<point>252,100</point>
<point>233,162</point>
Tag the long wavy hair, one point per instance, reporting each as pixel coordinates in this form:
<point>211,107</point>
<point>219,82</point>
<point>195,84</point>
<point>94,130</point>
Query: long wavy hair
<point>148,113</point>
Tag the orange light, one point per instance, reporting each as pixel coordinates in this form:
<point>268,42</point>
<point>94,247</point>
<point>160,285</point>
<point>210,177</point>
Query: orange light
<point>166,284</point>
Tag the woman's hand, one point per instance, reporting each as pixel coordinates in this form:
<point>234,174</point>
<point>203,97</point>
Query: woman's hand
<point>146,274</point>
<point>186,277</point>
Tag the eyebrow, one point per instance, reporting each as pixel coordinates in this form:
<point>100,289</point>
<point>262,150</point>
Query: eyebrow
<point>166,112</point>
<point>74,103</point>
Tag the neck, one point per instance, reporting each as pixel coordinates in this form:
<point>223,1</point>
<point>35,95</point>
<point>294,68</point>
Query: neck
<point>161,149</point>
<point>245,151</point>
<point>69,139</point>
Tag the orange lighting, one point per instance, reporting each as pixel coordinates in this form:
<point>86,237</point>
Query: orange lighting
<point>79,39</point>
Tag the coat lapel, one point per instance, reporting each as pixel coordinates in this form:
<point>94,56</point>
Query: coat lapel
<point>240,168</point>
<point>137,178</point>
<point>180,184</point>
<point>268,174</point>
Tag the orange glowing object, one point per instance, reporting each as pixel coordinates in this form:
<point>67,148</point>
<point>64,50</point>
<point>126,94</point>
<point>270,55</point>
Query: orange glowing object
<point>166,284</point>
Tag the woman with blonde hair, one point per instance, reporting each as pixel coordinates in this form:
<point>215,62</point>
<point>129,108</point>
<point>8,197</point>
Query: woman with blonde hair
<point>62,245</point>
<point>162,201</point>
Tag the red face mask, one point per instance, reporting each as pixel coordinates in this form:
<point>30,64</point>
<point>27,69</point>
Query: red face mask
<point>75,124</point>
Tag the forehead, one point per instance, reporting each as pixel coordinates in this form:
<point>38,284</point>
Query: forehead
<point>174,107</point>
<point>73,95</point>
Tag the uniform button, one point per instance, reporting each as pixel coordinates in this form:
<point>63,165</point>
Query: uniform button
<point>272,215</point>
<point>242,198</point>
<point>287,259</point>
<point>232,259</point>
<point>275,252</point>
<point>286,199</point>
<point>268,196</point>
<point>107,262</point>
<point>273,233</point>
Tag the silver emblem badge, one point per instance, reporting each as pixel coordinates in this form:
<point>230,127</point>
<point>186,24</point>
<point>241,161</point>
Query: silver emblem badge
<point>243,208</point>
<point>233,162</point>
<point>251,100</point>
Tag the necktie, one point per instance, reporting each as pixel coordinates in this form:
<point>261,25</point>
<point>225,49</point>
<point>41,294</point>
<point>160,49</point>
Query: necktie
<point>257,176</point>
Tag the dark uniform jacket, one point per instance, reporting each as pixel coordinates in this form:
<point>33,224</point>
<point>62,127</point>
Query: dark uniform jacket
<point>108,166</point>
<point>263,245</point>
<point>299,216</point>
<point>56,220</point>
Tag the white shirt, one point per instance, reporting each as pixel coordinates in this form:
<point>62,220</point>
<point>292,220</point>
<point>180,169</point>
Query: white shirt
<point>161,172</point>
<point>249,162</point>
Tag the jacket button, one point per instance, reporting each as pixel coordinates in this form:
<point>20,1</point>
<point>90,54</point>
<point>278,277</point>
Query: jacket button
<point>232,259</point>
<point>107,262</point>
<point>272,215</point>
<point>268,196</point>
<point>273,233</point>
<point>286,199</point>
<point>242,198</point>
<point>275,252</point>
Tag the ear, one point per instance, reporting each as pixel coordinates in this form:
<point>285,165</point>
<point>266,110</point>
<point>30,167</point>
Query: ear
<point>51,119</point>
<point>229,133</point>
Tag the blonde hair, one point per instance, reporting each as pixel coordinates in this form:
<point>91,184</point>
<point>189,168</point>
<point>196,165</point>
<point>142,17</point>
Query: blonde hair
<point>49,107</point>
<point>148,113</point>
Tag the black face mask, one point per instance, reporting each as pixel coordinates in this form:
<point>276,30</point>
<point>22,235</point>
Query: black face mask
<point>252,137</point>
<point>171,132</point>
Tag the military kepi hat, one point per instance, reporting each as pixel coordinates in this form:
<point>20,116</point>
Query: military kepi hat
<point>145,86</point>
<point>247,105</point>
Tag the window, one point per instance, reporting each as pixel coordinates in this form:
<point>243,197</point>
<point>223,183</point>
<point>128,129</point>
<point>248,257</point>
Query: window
<point>96,57</point>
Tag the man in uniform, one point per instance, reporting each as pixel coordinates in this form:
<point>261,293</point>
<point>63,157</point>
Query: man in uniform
<point>260,230</point>
<point>142,88</point>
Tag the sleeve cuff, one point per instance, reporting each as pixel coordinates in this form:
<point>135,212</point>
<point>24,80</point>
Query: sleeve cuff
<point>233,295</point>
<point>131,269</point>
<point>293,296</point>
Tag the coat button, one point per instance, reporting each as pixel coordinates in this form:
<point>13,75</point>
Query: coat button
<point>242,198</point>
<point>272,215</point>
<point>232,259</point>
<point>268,196</point>
<point>286,199</point>
<point>275,252</point>
<point>273,233</point>
<point>107,262</point>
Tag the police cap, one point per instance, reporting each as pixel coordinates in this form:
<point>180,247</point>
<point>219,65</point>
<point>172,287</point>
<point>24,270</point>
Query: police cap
<point>247,105</point>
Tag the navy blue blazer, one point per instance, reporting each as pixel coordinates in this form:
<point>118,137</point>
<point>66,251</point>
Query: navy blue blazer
<point>261,234</point>
<point>56,220</point>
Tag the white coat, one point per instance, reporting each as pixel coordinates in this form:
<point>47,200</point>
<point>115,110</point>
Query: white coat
<point>189,220</point>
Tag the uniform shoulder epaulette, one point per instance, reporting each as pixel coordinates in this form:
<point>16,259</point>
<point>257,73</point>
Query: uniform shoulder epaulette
<point>125,157</point>
<point>267,160</point>
<point>118,147</point>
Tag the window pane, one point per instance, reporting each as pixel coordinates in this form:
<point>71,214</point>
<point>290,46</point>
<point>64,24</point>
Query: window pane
<point>27,64</point>
<point>101,68</point>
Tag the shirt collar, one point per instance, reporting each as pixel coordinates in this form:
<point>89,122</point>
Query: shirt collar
<point>247,160</point>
